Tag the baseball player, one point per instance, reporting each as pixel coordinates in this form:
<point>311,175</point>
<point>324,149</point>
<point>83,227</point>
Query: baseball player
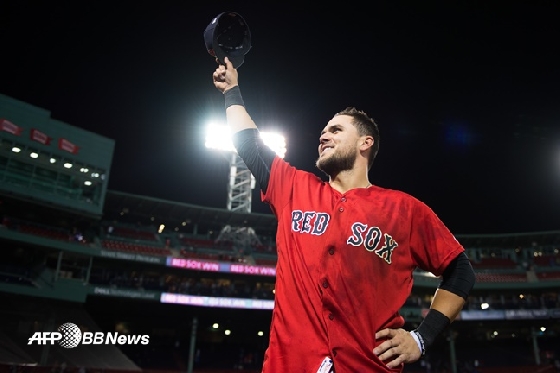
<point>346,251</point>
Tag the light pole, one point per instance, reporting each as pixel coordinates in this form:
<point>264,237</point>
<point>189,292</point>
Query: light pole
<point>241,181</point>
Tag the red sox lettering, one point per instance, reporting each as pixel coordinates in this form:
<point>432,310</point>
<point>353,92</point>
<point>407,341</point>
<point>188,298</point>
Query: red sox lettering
<point>316,223</point>
<point>310,222</point>
<point>370,238</point>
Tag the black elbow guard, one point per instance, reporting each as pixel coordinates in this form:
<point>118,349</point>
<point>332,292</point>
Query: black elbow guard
<point>459,277</point>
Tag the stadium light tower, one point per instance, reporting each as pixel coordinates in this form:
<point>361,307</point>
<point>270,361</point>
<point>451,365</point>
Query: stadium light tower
<point>241,181</point>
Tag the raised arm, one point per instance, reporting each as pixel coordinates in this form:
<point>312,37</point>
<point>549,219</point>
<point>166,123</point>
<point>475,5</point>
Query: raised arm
<point>246,139</point>
<point>226,81</point>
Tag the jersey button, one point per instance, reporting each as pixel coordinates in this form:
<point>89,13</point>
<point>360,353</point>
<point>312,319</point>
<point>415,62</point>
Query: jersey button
<point>343,199</point>
<point>331,251</point>
<point>341,209</point>
<point>331,316</point>
<point>325,283</point>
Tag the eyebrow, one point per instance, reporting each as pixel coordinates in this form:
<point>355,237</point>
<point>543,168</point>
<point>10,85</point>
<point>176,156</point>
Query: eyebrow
<point>329,128</point>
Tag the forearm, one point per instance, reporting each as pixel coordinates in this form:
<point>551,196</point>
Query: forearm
<point>246,139</point>
<point>444,309</point>
<point>448,303</point>
<point>238,119</point>
<point>449,299</point>
<point>237,116</point>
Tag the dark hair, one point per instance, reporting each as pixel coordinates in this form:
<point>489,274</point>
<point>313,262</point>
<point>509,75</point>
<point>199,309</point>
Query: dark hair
<point>365,126</point>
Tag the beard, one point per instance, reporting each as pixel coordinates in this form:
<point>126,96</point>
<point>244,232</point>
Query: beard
<point>336,163</point>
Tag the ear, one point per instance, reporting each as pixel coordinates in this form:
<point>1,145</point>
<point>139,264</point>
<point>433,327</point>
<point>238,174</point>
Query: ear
<point>367,142</point>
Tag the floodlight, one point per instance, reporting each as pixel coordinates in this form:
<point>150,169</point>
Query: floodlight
<point>218,137</point>
<point>275,141</point>
<point>241,180</point>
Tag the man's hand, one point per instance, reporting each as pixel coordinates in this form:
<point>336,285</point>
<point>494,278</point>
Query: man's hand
<point>399,347</point>
<point>225,76</point>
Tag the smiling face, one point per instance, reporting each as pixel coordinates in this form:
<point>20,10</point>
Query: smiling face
<point>339,146</point>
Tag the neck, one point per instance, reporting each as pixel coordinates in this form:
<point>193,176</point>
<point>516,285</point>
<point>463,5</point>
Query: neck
<point>346,181</point>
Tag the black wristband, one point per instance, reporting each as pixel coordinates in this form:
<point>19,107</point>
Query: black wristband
<point>233,97</point>
<point>433,324</point>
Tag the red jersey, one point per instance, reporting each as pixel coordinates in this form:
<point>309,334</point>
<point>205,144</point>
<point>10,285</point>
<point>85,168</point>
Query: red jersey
<point>345,264</point>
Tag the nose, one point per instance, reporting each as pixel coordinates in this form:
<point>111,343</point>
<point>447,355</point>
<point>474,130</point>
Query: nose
<point>325,137</point>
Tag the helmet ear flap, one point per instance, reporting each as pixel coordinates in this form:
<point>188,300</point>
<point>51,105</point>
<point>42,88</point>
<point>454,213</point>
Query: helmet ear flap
<point>228,35</point>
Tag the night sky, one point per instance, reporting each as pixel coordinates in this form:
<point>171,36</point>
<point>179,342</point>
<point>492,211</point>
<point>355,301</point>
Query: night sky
<point>466,93</point>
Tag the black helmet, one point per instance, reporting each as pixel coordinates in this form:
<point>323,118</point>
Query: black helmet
<point>228,36</point>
